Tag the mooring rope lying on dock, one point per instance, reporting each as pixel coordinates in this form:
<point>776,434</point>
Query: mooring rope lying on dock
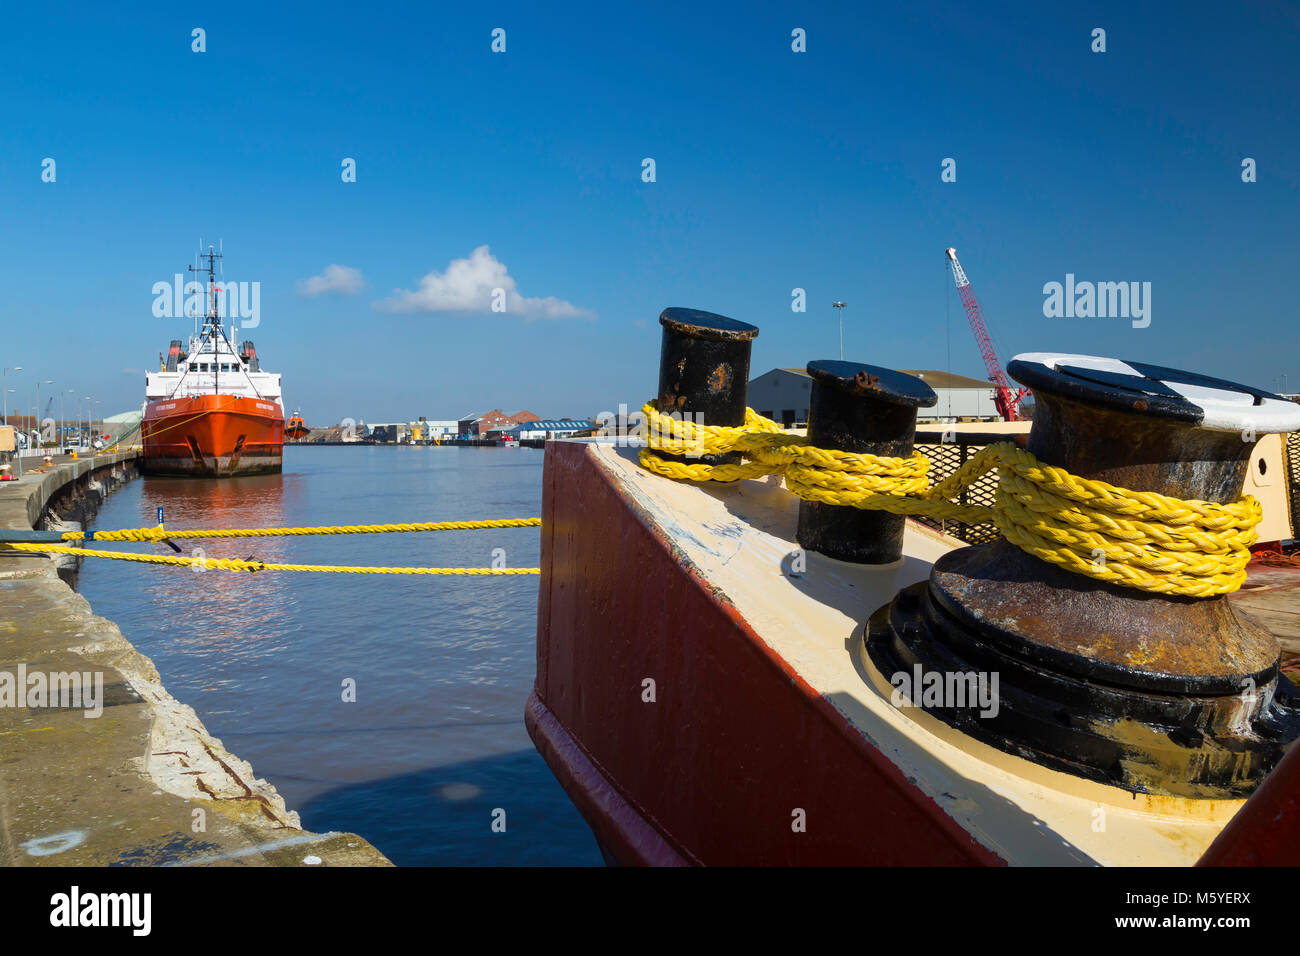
<point>1141,540</point>
<point>160,533</point>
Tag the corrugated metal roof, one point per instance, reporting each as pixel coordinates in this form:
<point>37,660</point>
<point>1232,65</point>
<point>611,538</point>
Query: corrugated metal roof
<point>554,425</point>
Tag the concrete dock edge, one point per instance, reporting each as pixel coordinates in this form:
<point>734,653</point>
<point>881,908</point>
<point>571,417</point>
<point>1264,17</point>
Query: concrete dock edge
<point>142,783</point>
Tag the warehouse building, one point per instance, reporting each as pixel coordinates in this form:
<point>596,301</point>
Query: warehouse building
<point>783,396</point>
<point>549,428</point>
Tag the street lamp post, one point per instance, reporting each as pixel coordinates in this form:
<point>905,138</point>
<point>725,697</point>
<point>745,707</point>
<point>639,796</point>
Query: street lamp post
<point>63,419</point>
<point>839,310</point>
<point>4,384</point>
<point>37,417</point>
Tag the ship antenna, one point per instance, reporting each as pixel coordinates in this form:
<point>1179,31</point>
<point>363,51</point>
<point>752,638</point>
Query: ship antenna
<point>211,321</point>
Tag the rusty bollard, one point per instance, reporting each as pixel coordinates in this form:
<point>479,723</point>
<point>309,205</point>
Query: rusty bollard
<point>704,372</point>
<point>864,409</point>
<point>1152,693</point>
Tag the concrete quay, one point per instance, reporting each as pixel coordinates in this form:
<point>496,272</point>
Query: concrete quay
<point>143,782</point>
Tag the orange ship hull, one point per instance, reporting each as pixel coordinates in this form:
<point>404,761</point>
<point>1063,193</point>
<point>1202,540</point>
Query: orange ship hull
<point>213,436</point>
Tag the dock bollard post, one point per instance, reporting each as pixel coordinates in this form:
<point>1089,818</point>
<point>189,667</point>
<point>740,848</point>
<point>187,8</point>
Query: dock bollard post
<point>867,410</point>
<point>704,372</point>
<point>1151,692</point>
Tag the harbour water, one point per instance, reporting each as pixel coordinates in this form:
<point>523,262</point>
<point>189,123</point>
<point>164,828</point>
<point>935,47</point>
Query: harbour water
<point>434,744</point>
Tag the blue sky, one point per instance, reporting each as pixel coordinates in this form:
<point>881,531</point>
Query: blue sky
<point>775,170</point>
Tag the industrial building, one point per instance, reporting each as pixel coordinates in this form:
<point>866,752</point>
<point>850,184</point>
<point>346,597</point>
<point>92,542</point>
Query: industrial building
<point>783,396</point>
<point>549,428</point>
<point>494,423</point>
<point>426,431</point>
<point>960,398</point>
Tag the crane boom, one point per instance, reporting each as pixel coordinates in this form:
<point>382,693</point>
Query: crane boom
<point>1006,402</point>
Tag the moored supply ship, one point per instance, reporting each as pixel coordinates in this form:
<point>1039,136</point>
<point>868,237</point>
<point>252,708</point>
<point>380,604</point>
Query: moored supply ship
<point>211,411</point>
<point>750,651</point>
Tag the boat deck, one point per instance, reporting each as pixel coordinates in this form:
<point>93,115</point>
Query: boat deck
<point>740,539</point>
<point>1272,597</point>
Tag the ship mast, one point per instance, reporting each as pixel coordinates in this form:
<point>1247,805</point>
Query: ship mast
<point>210,325</point>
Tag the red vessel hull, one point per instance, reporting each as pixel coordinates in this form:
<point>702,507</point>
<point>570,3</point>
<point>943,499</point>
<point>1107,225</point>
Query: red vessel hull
<point>735,743</point>
<point>213,436</point>
<point>735,759</point>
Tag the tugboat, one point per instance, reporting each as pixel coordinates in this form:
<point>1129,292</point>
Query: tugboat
<point>211,411</point>
<point>728,673</point>
<point>295,428</point>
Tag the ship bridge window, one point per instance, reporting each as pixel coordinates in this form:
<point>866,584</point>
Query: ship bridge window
<point>194,366</point>
<point>225,366</point>
<point>203,367</point>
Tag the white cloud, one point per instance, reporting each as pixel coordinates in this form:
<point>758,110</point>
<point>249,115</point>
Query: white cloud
<point>341,279</point>
<point>469,285</point>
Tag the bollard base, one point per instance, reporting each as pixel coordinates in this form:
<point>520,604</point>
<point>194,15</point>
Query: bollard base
<point>991,685</point>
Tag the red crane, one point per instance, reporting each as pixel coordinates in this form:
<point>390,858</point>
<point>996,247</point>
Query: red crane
<point>1006,401</point>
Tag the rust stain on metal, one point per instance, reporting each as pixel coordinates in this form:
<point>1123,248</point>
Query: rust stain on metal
<point>1137,690</point>
<point>866,382</point>
<point>720,378</point>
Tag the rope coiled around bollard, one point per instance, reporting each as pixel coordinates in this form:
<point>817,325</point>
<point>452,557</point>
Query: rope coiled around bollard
<point>1141,540</point>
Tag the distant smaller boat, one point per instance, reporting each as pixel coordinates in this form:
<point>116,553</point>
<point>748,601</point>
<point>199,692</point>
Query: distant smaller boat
<point>295,427</point>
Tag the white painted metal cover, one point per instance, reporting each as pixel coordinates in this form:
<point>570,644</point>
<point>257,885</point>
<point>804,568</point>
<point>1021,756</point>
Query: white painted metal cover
<point>1224,409</point>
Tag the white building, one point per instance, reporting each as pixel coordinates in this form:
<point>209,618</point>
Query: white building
<point>434,431</point>
<point>959,397</point>
<point>783,396</point>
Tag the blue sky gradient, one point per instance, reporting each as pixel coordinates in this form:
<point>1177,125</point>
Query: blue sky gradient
<point>775,170</point>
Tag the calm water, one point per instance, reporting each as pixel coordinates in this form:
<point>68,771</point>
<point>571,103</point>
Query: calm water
<point>435,740</point>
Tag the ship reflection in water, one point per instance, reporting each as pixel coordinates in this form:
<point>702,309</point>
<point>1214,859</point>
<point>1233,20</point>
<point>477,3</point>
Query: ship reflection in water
<point>434,742</point>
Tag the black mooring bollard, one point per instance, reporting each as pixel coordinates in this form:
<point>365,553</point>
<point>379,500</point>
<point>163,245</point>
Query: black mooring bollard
<point>1152,693</point>
<point>704,372</point>
<point>869,410</point>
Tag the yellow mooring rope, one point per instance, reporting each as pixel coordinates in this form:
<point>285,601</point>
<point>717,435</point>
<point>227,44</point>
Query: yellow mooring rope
<point>1141,540</point>
<point>235,564</point>
<point>160,533</point>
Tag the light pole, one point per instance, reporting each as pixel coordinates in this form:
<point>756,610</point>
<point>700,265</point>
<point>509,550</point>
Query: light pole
<point>4,384</point>
<point>37,416</point>
<point>839,310</point>
<point>63,419</point>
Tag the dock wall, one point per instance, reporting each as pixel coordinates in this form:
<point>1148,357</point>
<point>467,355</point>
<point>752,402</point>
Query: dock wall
<point>140,781</point>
